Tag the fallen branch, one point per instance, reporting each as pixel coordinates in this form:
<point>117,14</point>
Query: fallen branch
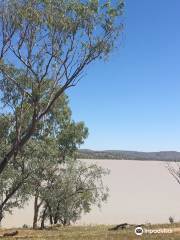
<point>9,234</point>
<point>120,226</point>
<point>124,226</point>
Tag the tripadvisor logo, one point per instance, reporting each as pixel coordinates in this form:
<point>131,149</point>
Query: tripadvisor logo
<point>139,231</point>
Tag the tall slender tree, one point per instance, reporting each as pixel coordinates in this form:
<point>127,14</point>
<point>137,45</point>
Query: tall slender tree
<point>45,46</point>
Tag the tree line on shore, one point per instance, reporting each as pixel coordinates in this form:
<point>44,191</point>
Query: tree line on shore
<point>129,155</point>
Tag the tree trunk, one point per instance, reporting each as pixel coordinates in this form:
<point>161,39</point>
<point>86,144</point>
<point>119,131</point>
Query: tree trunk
<point>36,211</point>
<point>55,220</point>
<point>64,222</point>
<point>15,148</point>
<point>32,127</point>
<point>1,214</point>
<point>50,214</point>
<point>43,218</point>
<point>51,219</point>
<point>56,217</point>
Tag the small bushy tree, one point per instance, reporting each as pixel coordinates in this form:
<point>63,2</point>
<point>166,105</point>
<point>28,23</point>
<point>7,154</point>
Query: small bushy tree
<point>74,189</point>
<point>171,220</point>
<point>24,174</point>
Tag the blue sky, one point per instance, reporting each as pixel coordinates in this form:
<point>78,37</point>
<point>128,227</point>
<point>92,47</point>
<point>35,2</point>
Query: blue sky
<point>132,101</point>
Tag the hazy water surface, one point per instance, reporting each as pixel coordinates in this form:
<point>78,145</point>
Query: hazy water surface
<point>139,192</point>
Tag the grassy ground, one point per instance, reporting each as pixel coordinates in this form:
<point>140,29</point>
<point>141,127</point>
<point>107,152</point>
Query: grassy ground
<point>94,233</point>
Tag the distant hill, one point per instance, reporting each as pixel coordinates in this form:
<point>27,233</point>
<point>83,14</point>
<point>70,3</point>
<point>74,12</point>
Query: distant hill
<point>129,155</point>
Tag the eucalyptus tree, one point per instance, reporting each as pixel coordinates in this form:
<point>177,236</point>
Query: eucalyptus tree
<point>54,151</point>
<point>71,191</point>
<point>57,135</point>
<point>45,46</point>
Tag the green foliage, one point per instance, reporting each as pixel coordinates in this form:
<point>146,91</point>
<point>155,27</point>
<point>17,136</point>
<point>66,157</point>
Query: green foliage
<point>74,189</point>
<point>57,138</point>
<point>5,130</point>
<point>14,188</point>
<point>52,42</point>
<point>44,48</point>
<point>72,135</point>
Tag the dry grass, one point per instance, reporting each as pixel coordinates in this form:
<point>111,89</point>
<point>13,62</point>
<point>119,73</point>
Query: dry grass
<point>99,232</point>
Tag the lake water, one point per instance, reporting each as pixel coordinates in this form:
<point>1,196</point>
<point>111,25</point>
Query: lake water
<point>140,192</point>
